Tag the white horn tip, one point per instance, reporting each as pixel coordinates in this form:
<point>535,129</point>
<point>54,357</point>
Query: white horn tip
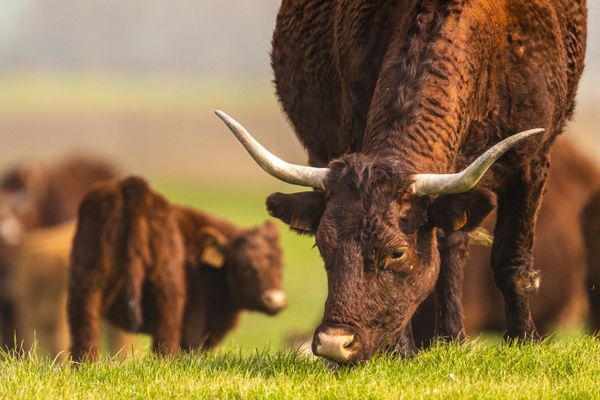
<point>532,132</point>
<point>231,123</point>
<point>221,114</point>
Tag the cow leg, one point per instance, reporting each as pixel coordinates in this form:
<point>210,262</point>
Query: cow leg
<point>449,317</point>
<point>512,258</point>
<point>167,332</point>
<point>194,330</point>
<point>84,309</point>
<point>405,343</point>
<point>8,327</point>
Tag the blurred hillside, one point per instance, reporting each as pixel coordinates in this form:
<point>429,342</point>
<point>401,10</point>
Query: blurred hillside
<point>138,80</point>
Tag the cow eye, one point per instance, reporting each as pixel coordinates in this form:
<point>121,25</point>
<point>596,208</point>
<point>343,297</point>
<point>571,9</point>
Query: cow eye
<point>399,255</point>
<point>396,257</point>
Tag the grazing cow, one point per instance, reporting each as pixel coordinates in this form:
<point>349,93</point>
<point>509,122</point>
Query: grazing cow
<point>179,274</point>
<point>403,107</point>
<point>38,287</point>
<point>590,220</point>
<point>32,196</point>
<point>559,252</point>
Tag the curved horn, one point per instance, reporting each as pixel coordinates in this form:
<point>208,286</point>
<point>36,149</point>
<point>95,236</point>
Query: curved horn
<point>273,165</point>
<point>460,182</point>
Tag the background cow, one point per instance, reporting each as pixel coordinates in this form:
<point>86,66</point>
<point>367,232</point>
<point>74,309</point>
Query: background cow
<point>403,107</point>
<point>178,274</point>
<point>560,252</point>
<point>36,196</point>
<point>38,287</point>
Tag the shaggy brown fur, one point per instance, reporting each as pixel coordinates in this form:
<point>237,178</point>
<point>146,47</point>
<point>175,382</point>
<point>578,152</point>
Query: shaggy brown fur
<point>178,274</point>
<point>379,90</point>
<point>560,254</point>
<point>32,196</point>
<point>39,289</point>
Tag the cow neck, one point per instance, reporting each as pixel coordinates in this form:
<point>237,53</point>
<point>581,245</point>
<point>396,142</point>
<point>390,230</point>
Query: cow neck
<point>432,88</point>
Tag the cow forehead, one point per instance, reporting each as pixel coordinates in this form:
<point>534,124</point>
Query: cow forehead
<point>259,251</point>
<point>366,175</point>
<point>371,226</point>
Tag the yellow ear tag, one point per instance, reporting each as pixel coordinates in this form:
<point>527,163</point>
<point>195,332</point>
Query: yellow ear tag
<point>300,225</point>
<point>212,257</point>
<point>459,222</point>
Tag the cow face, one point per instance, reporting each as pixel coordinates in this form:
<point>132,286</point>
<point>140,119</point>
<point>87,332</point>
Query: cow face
<point>378,242</point>
<point>20,188</point>
<point>16,214</point>
<point>253,263</point>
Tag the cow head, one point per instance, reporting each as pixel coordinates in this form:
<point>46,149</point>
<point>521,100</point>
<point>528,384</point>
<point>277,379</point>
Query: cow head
<point>17,213</point>
<point>375,226</point>
<point>252,261</point>
<point>20,189</point>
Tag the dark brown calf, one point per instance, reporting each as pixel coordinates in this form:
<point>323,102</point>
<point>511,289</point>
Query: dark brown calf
<point>560,253</point>
<point>178,274</point>
<point>37,196</point>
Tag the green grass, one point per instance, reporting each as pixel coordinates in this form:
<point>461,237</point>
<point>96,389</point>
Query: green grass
<point>253,364</point>
<point>565,368</point>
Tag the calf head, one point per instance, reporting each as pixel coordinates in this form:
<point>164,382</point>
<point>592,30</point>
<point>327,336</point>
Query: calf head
<point>375,225</point>
<point>252,261</point>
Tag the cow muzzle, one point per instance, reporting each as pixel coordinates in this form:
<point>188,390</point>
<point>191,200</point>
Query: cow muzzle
<point>274,300</point>
<point>337,343</point>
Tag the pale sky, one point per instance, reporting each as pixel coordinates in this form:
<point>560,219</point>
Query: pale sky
<point>9,10</point>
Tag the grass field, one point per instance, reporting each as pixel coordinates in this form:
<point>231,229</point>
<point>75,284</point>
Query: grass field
<point>564,368</point>
<point>253,362</point>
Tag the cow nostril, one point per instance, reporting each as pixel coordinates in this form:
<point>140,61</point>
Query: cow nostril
<point>336,345</point>
<point>274,299</point>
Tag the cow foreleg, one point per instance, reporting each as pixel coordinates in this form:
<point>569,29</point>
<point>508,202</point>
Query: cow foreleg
<point>512,258</point>
<point>449,317</point>
<point>83,307</point>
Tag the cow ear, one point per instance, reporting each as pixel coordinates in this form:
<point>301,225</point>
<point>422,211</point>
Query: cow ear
<point>301,211</point>
<point>212,249</point>
<point>462,211</point>
<point>270,230</point>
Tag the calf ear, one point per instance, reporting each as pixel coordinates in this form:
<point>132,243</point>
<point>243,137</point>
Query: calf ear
<point>270,230</point>
<point>301,211</point>
<point>213,243</point>
<point>462,211</point>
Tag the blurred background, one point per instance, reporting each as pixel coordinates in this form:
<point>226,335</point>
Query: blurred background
<point>137,81</point>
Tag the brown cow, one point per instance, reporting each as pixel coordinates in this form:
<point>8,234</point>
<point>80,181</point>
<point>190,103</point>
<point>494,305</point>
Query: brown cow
<point>590,220</point>
<point>403,106</point>
<point>560,253</point>
<point>179,274</point>
<point>38,287</point>
<point>36,196</point>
